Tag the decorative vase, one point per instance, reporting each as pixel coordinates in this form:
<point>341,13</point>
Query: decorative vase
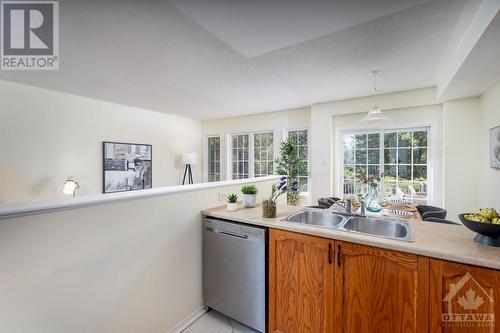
<point>371,199</point>
<point>232,206</point>
<point>249,200</point>
<point>269,208</point>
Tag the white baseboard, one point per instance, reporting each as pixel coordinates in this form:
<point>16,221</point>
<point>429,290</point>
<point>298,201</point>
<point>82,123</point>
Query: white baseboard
<point>189,320</point>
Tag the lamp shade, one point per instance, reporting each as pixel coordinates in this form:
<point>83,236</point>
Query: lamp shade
<point>70,186</point>
<point>189,158</point>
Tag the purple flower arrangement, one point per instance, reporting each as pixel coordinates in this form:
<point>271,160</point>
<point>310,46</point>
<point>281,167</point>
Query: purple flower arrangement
<point>282,187</point>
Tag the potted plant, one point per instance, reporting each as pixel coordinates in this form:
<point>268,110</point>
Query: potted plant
<point>289,163</point>
<point>249,195</point>
<point>232,203</point>
<point>269,205</point>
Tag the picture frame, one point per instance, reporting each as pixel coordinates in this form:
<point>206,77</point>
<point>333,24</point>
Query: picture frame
<point>495,147</point>
<point>127,166</point>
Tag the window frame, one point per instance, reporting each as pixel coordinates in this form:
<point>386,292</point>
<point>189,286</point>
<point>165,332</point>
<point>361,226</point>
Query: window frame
<point>432,149</point>
<point>206,158</point>
<point>251,147</point>
<point>285,137</point>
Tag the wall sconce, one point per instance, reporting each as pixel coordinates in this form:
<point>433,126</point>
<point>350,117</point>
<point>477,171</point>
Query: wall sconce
<point>189,159</point>
<point>70,186</point>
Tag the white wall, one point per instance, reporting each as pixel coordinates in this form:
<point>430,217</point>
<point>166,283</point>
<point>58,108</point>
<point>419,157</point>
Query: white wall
<point>489,191</point>
<point>130,266</point>
<point>278,122</point>
<point>461,158</point>
<point>46,136</point>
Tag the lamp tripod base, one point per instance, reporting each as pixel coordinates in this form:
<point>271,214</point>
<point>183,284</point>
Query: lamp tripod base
<point>188,172</point>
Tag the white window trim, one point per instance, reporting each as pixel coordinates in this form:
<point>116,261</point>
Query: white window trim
<point>432,149</point>
<point>229,147</point>
<point>205,154</point>
<point>285,136</point>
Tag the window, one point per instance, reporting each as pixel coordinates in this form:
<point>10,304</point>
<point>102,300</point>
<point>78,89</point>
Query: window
<point>252,155</point>
<point>300,138</point>
<point>240,158</point>
<point>213,158</point>
<point>263,154</point>
<point>401,156</point>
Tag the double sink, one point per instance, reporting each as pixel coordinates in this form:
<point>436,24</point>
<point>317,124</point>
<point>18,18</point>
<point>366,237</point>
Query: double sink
<point>391,229</point>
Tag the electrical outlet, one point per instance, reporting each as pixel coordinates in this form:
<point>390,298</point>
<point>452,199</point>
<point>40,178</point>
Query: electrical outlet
<point>222,196</point>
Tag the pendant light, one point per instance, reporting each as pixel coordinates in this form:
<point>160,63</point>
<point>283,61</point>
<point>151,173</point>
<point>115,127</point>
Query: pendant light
<point>375,114</point>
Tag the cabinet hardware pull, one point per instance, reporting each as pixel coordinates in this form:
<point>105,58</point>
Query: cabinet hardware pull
<point>339,260</point>
<point>330,259</point>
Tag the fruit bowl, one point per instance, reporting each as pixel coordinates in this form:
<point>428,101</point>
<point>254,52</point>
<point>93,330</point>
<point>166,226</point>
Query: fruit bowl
<point>487,233</point>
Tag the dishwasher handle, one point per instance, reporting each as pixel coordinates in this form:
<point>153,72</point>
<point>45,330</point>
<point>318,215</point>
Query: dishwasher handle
<point>227,233</point>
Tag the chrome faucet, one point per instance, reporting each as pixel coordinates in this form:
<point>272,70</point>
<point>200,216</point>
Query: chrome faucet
<point>348,206</point>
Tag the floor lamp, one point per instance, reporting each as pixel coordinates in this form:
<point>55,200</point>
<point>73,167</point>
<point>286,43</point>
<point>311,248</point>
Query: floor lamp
<point>189,159</point>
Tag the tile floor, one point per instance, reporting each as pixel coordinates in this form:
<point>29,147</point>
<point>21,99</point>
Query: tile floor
<point>214,322</point>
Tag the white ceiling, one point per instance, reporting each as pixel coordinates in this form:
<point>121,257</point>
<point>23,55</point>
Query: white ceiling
<point>260,26</point>
<point>151,55</point>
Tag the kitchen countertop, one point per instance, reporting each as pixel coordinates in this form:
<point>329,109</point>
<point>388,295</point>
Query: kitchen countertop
<point>441,241</point>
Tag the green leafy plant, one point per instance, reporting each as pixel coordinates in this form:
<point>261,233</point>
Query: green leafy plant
<point>232,198</point>
<point>249,189</point>
<point>289,163</point>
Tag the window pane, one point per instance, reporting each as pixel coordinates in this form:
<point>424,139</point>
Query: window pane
<point>390,156</point>
<point>360,170</point>
<point>373,170</point>
<point>240,156</point>
<point>420,139</point>
<point>349,142</point>
<point>361,141</point>
<point>420,156</point>
<point>373,140</point>
<point>349,156</point>
<point>349,172</point>
<point>404,139</point>
<point>390,140</point>
<point>373,156</point>
<point>263,154</point>
<point>299,137</point>
<point>213,161</point>
<point>361,156</point>
<point>390,172</point>
<point>404,156</point>
<point>404,172</point>
<point>420,172</point>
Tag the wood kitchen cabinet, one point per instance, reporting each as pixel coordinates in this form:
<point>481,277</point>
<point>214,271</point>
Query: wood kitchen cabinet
<point>321,285</point>
<point>301,282</point>
<point>463,298</point>
<point>379,290</point>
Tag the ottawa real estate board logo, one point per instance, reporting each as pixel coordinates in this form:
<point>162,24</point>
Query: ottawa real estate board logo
<point>468,305</point>
<point>29,35</point>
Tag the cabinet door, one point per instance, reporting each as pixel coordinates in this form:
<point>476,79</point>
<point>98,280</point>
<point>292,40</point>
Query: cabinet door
<point>380,290</point>
<point>463,298</point>
<point>301,272</point>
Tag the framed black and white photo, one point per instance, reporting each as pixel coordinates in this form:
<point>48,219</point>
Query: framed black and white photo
<point>127,167</point>
<point>495,147</point>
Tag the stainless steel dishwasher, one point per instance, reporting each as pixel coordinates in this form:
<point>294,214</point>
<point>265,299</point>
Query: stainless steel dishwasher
<point>234,271</point>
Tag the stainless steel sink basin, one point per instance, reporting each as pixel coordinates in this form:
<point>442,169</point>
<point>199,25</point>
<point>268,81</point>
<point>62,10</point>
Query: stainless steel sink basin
<point>391,229</point>
<point>316,217</point>
<point>399,230</point>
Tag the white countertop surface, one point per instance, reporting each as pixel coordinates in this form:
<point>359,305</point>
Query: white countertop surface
<point>441,241</point>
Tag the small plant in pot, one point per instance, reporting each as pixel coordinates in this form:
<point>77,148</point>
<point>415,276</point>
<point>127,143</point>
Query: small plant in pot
<point>232,202</point>
<point>249,195</point>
